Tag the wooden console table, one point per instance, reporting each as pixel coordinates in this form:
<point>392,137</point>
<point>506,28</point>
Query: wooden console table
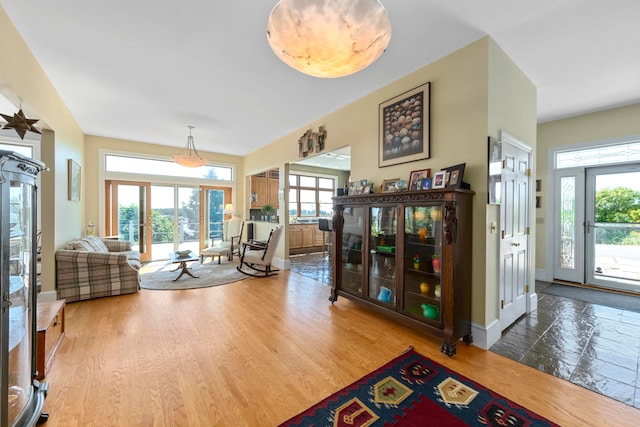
<point>50,330</point>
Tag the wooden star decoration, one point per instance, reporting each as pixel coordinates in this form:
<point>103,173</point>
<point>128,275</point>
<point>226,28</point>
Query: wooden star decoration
<point>20,123</point>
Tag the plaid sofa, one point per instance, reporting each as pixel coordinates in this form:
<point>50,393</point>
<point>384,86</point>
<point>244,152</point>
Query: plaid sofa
<point>91,267</point>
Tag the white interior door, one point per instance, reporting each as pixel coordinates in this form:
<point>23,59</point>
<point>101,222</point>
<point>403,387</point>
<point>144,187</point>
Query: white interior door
<point>514,224</point>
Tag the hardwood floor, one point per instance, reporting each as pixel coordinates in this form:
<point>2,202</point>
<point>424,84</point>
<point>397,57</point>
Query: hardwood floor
<point>255,353</point>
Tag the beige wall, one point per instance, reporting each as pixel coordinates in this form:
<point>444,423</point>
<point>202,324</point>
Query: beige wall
<point>23,81</point>
<point>472,96</point>
<point>614,123</point>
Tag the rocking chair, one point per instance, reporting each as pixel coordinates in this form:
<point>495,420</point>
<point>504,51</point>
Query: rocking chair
<point>257,255</point>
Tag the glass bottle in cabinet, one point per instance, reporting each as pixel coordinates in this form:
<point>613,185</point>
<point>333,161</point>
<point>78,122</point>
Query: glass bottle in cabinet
<point>382,254</point>
<point>351,249</point>
<point>422,262</point>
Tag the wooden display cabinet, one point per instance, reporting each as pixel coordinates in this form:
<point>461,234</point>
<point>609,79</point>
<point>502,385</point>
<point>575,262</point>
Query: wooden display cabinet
<point>408,255</point>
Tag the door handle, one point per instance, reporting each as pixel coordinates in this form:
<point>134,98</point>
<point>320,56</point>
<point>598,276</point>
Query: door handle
<point>589,226</point>
<point>515,244</point>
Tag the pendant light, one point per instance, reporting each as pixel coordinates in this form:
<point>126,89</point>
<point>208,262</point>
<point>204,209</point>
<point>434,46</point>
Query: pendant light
<point>189,156</point>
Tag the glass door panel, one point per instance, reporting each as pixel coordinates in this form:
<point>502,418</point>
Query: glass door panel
<point>569,228</point>
<point>422,262</point>
<point>351,249</point>
<point>613,227</point>
<point>382,254</point>
<point>188,225</point>
<point>128,209</point>
<point>163,221</point>
<point>213,201</point>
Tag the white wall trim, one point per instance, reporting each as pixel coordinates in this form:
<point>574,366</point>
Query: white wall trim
<point>485,337</point>
<point>543,274</point>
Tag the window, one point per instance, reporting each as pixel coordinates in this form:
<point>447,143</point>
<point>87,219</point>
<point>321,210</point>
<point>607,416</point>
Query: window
<point>25,150</point>
<point>132,164</point>
<point>310,195</point>
<point>601,155</point>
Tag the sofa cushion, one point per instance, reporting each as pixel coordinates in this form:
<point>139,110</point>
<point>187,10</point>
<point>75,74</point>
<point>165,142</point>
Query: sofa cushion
<point>96,243</point>
<point>79,245</point>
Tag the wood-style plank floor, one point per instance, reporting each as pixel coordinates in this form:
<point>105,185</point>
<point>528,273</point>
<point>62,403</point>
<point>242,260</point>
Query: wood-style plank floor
<point>255,353</point>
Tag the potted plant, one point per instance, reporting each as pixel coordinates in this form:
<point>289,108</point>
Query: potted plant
<point>416,262</point>
<point>267,210</point>
<point>435,263</point>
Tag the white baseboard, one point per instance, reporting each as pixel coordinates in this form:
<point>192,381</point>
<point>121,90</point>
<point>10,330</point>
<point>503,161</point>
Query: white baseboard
<point>283,264</point>
<point>486,336</point>
<point>542,274</point>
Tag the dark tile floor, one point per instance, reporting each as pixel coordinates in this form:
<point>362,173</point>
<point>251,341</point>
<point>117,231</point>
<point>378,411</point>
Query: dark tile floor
<point>593,346</point>
<point>313,265</point>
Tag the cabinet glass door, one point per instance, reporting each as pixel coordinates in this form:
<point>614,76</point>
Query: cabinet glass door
<point>382,254</point>
<point>351,249</point>
<point>20,326</point>
<point>422,258</point>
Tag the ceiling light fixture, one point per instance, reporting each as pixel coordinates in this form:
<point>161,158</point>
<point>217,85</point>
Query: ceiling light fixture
<point>328,38</point>
<point>189,156</point>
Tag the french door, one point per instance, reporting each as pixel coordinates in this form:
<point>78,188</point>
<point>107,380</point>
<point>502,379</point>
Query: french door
<point>598,226</point>
<point>128,214</point>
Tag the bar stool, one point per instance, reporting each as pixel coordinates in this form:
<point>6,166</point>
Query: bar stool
<point>324,224</point>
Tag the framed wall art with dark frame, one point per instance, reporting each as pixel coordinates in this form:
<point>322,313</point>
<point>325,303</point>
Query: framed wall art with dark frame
<point>403,127</point>
<point>73,177</point>
<point>454,174</point>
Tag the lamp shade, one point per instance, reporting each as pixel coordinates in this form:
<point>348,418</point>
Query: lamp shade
<point>228,208</point>
<point>189,156</point>
<point>328,38</point>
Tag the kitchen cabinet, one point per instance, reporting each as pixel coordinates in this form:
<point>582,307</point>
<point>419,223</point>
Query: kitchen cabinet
<point>264,189</point>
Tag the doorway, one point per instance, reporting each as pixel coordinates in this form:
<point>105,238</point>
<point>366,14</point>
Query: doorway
<point>599,226</point>
<point>158,219</point>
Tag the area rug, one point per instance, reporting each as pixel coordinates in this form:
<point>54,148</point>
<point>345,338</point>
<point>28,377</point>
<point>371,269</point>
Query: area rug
<point>209,274</point>
<point>412,390</point>
<point>594,296</point>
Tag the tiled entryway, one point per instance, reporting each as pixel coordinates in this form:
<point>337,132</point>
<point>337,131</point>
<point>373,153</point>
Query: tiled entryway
<point>594,346</point>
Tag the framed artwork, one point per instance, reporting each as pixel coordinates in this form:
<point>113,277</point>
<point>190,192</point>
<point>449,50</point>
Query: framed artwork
<point>426,184</point>
<point>438,179</point>
<point>389,185</point>
<point>453,175</point>
<point>416,178</point>
<point>73,176</point>
<point>367,189</point>
<point>403,127</point>
<point>495,171</point>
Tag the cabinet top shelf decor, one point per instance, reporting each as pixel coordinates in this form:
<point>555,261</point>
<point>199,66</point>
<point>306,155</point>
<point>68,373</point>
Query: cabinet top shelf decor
<point>407,255</point>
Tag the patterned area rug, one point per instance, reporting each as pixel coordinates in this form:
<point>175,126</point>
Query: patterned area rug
<point>160,276</point>
<point>412,390</point>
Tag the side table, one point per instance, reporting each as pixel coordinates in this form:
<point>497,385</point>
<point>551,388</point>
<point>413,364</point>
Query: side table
<point>50,330</point>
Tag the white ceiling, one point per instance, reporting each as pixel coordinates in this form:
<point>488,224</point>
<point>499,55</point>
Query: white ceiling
<point>143,70</point>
